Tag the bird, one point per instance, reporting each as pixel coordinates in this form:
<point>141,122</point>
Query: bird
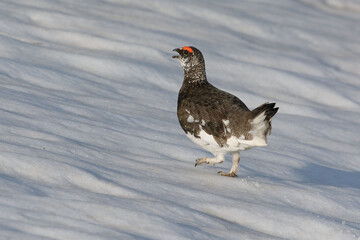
<point>216,120</point>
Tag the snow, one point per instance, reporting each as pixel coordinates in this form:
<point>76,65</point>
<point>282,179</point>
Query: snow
<point>91,148</point>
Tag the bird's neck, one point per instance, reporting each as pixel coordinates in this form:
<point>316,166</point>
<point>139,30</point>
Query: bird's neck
<point>194,74</point>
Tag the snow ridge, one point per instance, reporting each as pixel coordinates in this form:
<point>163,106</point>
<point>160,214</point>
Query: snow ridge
<point>90,146</point>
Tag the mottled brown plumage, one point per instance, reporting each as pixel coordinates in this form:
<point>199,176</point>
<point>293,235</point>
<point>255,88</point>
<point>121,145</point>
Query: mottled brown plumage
<point>208,103</point>
<point>214,119</point>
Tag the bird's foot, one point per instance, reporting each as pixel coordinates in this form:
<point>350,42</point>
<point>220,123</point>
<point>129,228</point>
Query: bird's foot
<point>200,161</point>
<point>207,160</point>
<point>211,161</point>
<point>230,174</point>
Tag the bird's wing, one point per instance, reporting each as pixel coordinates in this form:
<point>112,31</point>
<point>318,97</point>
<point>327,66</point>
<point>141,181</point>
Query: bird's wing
<point>210,111</point>
<point>201,116</point>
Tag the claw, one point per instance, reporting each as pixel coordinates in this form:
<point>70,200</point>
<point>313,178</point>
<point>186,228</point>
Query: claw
<point>230,174</point>
<point>199,161</point>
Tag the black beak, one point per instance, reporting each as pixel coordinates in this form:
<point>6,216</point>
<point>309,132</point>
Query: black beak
<point>178,51</point>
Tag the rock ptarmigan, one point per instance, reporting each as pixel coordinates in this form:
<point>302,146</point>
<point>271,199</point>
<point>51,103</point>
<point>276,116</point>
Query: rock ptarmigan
<point>216,120</point>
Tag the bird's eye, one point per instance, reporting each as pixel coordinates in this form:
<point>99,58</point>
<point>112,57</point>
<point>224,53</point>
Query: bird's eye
<point>186,52</point>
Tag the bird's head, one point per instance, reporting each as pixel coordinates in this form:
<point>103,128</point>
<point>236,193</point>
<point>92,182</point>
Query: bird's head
<point>190,58</point>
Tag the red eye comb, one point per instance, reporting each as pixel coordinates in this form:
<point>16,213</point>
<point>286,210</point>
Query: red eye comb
<point>188,48</point>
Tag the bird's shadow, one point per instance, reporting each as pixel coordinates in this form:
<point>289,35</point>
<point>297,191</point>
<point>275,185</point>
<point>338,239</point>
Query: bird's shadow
<point>322,175</point>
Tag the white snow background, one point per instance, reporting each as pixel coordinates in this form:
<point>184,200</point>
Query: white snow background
<point>90,145</point>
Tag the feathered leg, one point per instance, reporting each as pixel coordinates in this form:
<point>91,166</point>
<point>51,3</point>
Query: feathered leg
<point>219,158</point>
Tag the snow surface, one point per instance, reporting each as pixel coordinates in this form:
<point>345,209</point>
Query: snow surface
<point>90,146</point>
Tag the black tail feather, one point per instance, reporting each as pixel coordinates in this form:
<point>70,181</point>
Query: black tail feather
<point>268,108</point>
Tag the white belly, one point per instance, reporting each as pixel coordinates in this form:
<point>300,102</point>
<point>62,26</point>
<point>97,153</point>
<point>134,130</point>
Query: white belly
<point>233,144</point>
